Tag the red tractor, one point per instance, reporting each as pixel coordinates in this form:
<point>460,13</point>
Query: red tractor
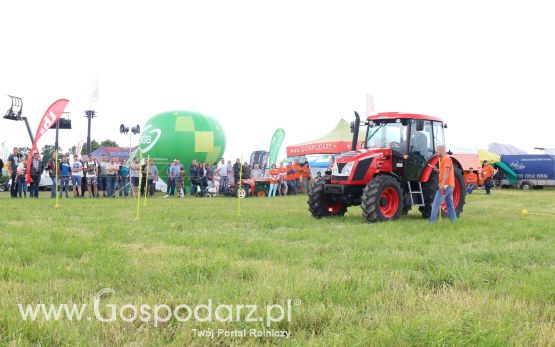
<point>387,173</point>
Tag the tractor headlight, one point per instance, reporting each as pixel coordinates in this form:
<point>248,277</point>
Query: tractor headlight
<point>334,169</point>
<point>347,168</point>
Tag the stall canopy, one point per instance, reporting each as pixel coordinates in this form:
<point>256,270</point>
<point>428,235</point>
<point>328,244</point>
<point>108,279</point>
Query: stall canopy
<point>489,156</point>
<point>336,141</point>
<point>468,161</point>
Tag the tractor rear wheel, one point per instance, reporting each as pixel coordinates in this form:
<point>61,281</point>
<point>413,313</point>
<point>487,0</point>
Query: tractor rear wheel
<point>429,190</point>
<point>321,204</point>
<point>382,199</point>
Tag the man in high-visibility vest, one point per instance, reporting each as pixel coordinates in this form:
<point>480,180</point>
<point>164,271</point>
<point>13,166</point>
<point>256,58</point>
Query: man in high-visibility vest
<point>446,186</point>
<point>487,173</point>
<point>470,181</point>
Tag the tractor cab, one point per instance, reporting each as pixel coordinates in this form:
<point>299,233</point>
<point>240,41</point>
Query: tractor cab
<point>412,141</point>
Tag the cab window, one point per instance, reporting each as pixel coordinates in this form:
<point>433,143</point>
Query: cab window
<point>421,139</point>
<point>439,139</point>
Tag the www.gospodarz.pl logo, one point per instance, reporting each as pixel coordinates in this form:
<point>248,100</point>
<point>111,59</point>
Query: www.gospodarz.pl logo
<point>157,314</point>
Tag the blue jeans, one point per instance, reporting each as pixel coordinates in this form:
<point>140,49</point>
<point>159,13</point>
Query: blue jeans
<point>470,188</point>
<point>124,186</point>
<point>448,197</point>
<point>272,192</point>
<point>102,184</point>
<point>22,185</point>
<point>224,182</point>
<point>171,186</point>
<point>35,185</point>
<point>64,185</point>
<point>110,185</point>
<point>54,186</point>
<point>282,183</point>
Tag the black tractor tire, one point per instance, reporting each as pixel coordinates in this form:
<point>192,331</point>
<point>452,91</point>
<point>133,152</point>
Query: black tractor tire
<point>324,205</point>
<point>429,189</point>
<point>380,192</point>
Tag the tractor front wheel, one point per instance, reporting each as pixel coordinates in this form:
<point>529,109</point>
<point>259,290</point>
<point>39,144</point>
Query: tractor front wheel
<point>382,199</point>
<point>321,204</point>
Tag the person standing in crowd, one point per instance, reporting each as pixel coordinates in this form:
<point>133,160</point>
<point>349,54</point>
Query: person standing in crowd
<point>224,178</point>
<point>102,180</point>
<point>236,171</point>
<point>152,177</point>
<point>487,174</point>
<point>134,173</point>
<point>112,169</point>
<point>20,173</point>
<point>37,167</point>
<point>230,172</point>
<point>194,177</point>
<point>204,175</point>
<point>91,168</point>
<point>13,161</point>
<point>173,176</point>
<point>274,179</point>
<point>305,177</point>
<point>282,182</point>
<point>51,167</point>
<point>123,175</point>
<point>296,175</point>
<point>446,186</point>
<point>1,167</point>
<point>471,181</point>
<point>181,181</point>
<point>256,172</point>
<point>246,174</point>
<point>290,179</point>
<point>76,176</point>
<point>64,171</point>
<point>84,159</point>
<point>143,176</point>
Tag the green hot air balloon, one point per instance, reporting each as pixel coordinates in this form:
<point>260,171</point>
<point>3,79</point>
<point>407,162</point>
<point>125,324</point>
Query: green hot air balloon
<point>184,136</point>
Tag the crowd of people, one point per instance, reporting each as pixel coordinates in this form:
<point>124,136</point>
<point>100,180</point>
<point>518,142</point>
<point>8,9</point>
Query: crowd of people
<point>103,177</point>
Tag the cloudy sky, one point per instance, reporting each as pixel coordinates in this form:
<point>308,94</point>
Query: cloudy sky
<point>487,67</point>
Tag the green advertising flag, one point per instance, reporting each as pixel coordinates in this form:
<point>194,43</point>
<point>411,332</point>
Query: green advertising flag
<point>275,145</point>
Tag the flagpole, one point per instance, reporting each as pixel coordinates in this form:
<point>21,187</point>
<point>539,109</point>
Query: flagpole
<point>146,183</point>
<point>57,183</point>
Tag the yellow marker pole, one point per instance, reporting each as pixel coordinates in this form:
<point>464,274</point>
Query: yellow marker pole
<point>57,180</point>
<point>239,186</point>
<point>146,183</point>
<point>139,187</point>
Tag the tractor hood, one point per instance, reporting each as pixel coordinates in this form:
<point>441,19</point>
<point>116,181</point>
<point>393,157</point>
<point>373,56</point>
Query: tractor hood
<point>356,167</point>
<point>361,154</point>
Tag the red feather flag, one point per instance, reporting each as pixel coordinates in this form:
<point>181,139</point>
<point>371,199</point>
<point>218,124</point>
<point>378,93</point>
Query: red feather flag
<point>51,116</point>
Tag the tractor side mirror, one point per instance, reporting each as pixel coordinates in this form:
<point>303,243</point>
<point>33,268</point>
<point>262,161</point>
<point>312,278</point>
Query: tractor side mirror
<point>419,125</point>
<point>352,127</point>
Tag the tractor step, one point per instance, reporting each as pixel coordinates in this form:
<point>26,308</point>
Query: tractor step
<point>415,193</point>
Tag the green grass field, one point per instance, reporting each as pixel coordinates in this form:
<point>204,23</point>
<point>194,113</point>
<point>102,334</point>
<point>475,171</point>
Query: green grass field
<point>487,280</point>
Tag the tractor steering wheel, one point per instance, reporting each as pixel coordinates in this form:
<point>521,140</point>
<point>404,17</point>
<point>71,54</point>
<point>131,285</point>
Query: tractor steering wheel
<point>396,146</point>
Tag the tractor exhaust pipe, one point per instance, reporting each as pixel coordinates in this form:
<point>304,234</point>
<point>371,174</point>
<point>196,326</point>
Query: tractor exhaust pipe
<point>354,129</point>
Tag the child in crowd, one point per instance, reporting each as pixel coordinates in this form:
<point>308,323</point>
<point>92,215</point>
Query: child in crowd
<point>274,178</point>
<point>20,177</point>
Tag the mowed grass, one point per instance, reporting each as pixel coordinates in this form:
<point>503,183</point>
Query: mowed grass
<point>487,280</point>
